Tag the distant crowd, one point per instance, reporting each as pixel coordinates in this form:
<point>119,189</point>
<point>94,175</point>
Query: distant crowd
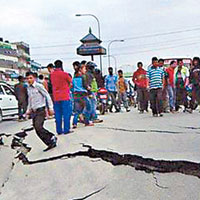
<point>60,94</point>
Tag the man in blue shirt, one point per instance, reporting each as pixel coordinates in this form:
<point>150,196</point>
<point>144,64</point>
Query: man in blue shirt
<point>155,76</point>
<point>111,86</point>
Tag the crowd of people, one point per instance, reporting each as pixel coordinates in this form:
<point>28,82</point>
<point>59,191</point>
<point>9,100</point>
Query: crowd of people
<point>168,88</point>
<point>63,95</point>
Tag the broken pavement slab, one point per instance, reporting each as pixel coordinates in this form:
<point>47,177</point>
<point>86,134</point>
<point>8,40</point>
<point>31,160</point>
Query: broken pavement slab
<point>76,178</point>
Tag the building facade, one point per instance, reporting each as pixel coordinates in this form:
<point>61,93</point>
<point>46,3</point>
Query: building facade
<point>14,59</point>
<point>8,59</point>
<point>23,52</point>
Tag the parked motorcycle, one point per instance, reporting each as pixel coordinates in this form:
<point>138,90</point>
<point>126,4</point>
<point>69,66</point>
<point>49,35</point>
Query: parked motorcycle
<point>102,97</point>
<point>131,97</point>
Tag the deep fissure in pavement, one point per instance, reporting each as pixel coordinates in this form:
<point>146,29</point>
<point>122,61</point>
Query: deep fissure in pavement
<point>138,162</point>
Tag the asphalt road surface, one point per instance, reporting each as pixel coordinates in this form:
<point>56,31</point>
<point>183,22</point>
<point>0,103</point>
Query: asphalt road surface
<point>129,156</point>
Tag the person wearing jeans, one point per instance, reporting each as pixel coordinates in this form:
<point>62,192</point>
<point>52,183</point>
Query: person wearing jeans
<point>81,101</point>
<point>82,106</point>
<point>170,87</point>
<point>111,86</point>
<point>61,83</point>
<point>90,85</point>
<point>172,97</point>
<point>122,93</point>
<point>62,114</point>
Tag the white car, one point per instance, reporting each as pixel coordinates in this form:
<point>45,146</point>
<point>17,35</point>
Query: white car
<point>8,101</point>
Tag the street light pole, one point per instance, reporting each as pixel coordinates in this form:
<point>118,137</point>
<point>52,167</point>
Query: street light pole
<point>99,31</point>
<point>115,62</point>
<point>109,49</point>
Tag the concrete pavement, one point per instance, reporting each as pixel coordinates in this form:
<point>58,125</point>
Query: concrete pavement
<point>173,137</point>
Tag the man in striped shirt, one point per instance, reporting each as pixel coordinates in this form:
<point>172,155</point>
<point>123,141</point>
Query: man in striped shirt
<point>155,76</point>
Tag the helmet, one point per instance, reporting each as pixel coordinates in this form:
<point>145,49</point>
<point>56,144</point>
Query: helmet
<point>97,71</point>
<point>91,65</point>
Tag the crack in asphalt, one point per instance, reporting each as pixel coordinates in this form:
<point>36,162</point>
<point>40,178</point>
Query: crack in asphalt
<point>91,194</point>
<point>4,134</point>
<point>8,177</point>
<point>147,165</point>
<point>190,127</point>
<point>142,130</point>
<point>1,137</point>
<point>17,145</point>
<point>156,182</point>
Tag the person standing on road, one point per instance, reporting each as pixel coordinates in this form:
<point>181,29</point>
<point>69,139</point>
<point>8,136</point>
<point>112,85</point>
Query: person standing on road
<point>195,81</point>
<point>155,76</point>
<point>80,94</point>
<point>170,85</point>
<point>42,81</point>
<point>50,69</point>
<point>99,78</point>
<point>83,67</point>
<point>141,81</point>
<point>37,97</point>
<point>181,74</point>
<point>123,86</point>
<point>61,82</point>
<point>165,100</point>
<point>22,97</point>
<point>90,85</point>
<point>111,86</point>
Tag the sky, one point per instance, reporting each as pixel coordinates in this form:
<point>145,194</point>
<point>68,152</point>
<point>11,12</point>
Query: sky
<point>162,28</point>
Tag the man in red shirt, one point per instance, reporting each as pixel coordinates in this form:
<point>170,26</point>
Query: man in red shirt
<point>140,79</point>
<point>61,82</point>
<point>170,85</point>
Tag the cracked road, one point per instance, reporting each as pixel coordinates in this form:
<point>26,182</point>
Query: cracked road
<point>129,156</point>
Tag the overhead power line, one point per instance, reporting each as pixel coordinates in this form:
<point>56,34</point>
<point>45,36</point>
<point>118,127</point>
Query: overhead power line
<point>158,43</point>
<point>126,47</point>
<point>126,38</point>
<point>162,34</point>
<point>54,46</point>
<point>51,54</point>
<point>131,53</point>
<point>64,58</point>
<point>157,49</point>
